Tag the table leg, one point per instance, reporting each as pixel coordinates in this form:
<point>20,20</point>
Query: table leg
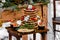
<point>10,36</point>
<point>54,28</point>
<point>18,38</point>
<point>43,36</point>
<point>24,37</point>
<point>34,36</point>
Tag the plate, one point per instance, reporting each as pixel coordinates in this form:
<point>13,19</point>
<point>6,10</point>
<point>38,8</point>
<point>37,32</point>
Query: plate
<point>25,30</point>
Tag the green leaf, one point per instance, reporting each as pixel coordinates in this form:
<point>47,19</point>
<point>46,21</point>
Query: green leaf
<point>8,4</point>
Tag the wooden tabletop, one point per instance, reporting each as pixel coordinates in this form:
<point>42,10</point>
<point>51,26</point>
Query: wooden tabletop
<point>56,20</point>
<point>16,32</point>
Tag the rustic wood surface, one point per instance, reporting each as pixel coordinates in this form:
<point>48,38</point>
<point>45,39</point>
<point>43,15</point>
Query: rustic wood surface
<point>24,35</point>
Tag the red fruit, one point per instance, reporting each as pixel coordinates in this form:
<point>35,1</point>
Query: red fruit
<point>40,23</point>
<point>14,25</point>
<point>10,20</point>
<point>31,18</point>
<point>22,18</point>
<point>33,8</point>
<point>26,8</point>
<point>34,18</point>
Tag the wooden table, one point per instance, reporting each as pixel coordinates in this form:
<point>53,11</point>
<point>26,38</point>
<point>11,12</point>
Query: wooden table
<point>23,35</point>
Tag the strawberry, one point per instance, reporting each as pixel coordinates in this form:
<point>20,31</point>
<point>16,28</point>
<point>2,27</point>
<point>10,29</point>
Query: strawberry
<point>22,18</point>
<point>33,8</point>
<point>14,25</point>
<point>34,18</point>
<point>40,23</point>
<point>10,20</point>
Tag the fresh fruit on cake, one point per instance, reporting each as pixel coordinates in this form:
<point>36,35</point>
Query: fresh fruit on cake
<point>31,7</point>
<point>14,24</point>
<point>34,18</point>
<point>22,18</point>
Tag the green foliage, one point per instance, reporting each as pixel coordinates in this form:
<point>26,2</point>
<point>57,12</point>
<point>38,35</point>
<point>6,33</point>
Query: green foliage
<point>8,4</point>
<point>42,1</point>
<point>27,26</point>
<point>14,3</point>
<point>45,1</point>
